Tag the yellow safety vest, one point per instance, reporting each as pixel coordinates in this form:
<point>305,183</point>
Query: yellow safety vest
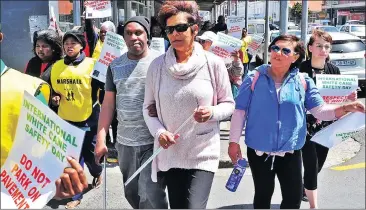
<point>73,83</point>
<point>97,49</point>
<point>13,85</point>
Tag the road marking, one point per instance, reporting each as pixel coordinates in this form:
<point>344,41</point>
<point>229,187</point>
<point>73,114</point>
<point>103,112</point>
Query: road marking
<point>349,167</point>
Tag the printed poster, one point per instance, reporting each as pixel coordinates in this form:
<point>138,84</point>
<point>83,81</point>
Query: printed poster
<point>235,26</point>
<point>255,44</point>
<point>340,130</point>
<point>38,156</point>
<point>113,47</point>
<point>37,23</point>
<point>98,9</point>
<point>158,44</point>
<point>335,88</point>
<point>225,45</point>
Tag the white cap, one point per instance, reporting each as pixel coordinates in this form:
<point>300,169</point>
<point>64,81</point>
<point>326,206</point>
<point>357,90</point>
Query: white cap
<point>208,35</point>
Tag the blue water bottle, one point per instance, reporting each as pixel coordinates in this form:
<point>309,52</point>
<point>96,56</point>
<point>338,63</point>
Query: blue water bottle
<point>235,177</point>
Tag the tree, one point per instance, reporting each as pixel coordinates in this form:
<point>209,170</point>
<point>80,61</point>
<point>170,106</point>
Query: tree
<point>296,11</point>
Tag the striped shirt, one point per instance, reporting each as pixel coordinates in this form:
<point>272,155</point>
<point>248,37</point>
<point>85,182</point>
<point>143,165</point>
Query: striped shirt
<point>126,78</point>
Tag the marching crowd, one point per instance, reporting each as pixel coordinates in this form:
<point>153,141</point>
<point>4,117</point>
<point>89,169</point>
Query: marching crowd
<point>147,96</point>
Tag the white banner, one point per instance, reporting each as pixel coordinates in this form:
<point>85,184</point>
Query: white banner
<point>52,19</point>
<point>225,45</point>
<point>158,44</point>
<point>335,88</point>
<point>255,44</point>
<point>98,9</point>
<point>235,26</point>
<point>340,130</point>
<point>38,156</point>
<point>113,47</point>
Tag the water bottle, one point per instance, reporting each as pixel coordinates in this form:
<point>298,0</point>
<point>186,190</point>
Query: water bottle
<point>235,177</point>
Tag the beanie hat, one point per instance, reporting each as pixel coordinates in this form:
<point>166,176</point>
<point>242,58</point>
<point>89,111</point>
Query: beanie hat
<point>78,36</point>
<point>144,21</point>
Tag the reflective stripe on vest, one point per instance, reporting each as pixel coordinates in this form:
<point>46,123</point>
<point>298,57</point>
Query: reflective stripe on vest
<point>13,85</point>
<point>73,83</point>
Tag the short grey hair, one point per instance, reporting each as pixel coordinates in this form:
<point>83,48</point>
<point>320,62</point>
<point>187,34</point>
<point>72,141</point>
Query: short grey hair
<point>109,25</point>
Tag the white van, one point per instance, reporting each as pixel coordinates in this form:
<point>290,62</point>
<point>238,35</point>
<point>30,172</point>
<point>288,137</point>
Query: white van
<point>256,26</point>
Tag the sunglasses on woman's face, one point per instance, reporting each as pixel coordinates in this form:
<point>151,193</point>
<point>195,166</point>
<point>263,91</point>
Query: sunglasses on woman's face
<point>179,28</point>
<point>285,51</point>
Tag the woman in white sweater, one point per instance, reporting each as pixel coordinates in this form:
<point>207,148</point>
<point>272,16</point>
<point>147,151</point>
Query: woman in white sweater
<point>183,82</point>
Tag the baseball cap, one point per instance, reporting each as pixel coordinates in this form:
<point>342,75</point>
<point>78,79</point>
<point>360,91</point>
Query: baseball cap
<point>208,35</point>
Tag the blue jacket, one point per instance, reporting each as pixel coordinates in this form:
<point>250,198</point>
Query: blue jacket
<point>276,124</point>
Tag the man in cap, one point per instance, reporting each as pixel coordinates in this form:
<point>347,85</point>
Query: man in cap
<point>125,88</point>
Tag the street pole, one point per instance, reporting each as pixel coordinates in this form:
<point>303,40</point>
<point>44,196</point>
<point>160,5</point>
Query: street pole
<point>283,16</point>
<point>76,13</point>
<point>115,12</point>
<point>266,34</point>
<point>246,14</point>
<point>304,20</point>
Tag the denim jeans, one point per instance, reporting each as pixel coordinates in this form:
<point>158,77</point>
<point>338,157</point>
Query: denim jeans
<point>141,192</point>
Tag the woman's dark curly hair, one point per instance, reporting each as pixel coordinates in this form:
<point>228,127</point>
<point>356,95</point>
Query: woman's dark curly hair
<point>53,39</point>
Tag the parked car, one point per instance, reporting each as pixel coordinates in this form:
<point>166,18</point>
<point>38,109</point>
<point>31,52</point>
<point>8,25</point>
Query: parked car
<point>355,22</point>
<point>324,28</point>
<point>348,53</point>
<point>357,30</point>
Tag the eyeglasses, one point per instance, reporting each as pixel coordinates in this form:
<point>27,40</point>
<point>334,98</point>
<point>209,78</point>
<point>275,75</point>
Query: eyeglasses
<point>327,47</point>
<point>285,51</point>
<point>179,28</point>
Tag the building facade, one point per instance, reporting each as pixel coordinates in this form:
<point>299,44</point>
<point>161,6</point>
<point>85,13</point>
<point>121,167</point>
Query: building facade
<point>340,11</point>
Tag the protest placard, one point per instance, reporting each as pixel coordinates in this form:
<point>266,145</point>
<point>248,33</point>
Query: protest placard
<point>224,45</point>
<point>113,47</point>
<point>52,19</point>
<point>335,88</point>
<point>158,44</point>
<point>38,156</point>
<point>98,9</point>
<point>255,44</point>
<point>340,130</point>
<point>235,26</point>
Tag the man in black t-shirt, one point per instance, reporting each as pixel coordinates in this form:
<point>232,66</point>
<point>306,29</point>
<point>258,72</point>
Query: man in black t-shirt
<point>220,26</point>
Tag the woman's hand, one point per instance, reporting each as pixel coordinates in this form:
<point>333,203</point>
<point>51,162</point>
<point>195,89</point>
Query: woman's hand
<point>352,96</point>
<point>235,55</point>
<point>73,181</point>
<point>355,106</point>
<point>152,110</point>
<point>166,139</point>
<point>234,152</point>
<point>56,100</point>
<point>202,114</point>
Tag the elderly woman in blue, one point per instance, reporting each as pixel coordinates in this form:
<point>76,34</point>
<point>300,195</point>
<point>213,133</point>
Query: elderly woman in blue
<point>273,101</point>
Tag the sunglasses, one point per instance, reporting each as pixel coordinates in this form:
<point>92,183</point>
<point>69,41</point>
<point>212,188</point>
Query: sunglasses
<point>285,51</point>
<point>202,41</point>
<point>178,28</point>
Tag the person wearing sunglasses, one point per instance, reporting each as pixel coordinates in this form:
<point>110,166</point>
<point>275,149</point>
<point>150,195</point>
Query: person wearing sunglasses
<point>272,101</point>
<point>186,83</point>
<point>313,154</point>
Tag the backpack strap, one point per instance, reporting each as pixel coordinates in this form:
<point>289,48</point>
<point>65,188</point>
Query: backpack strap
<point>302,80</point>
<point>256,76</point>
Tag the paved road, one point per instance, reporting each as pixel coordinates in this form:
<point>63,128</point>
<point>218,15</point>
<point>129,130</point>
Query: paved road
<point>338,187</point>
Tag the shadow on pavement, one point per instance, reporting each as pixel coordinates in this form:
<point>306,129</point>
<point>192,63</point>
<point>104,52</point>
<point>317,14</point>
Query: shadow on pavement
<point>55,204</point>
<point>247,206</point>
